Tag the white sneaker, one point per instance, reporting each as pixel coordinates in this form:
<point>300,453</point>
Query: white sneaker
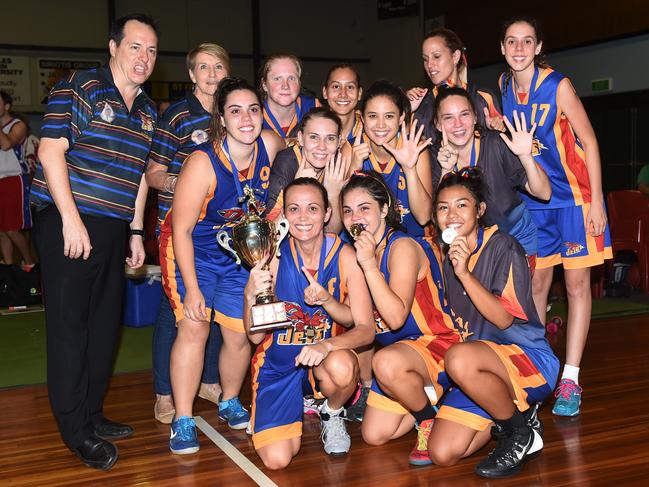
<point>334,432</point>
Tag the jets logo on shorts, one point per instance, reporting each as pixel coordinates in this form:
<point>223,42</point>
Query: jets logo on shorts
<point>573,248</point>
<point>379,326</point>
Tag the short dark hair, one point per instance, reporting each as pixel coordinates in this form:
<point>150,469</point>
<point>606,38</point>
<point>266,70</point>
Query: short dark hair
<point>314,183</point>
<point>117,27</point>
<point>7,99</point>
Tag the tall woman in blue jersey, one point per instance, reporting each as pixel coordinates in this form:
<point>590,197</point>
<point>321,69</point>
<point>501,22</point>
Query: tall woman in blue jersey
<point>391,146</point>
<point>507,163</point>
<point>284,106</point>
<point>183,127</point>
<point>199,277</point>
<point>342,90</point>
<point>505,366</point>
<point>572,225</point>
<point>445,64</point>
<point>320,283</point>
<point>413,324</point>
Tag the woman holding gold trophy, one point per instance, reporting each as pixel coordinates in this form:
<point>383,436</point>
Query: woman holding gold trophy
<point>200,278</point>
<point>320,283</point>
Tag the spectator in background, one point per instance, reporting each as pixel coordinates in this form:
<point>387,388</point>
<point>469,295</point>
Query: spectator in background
<point>14,186</point>
<point>96,138</point>
<point>643,180</point>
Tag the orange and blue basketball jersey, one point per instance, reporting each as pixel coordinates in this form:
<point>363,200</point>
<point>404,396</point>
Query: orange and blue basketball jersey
<point>556,147</point>
<point>221,280</point>
<point>357,129</point>
<point>278,386</point>
<point>430,315</point>
<point>395,179</point>
<point>500,264</point>
<point>303,105</point>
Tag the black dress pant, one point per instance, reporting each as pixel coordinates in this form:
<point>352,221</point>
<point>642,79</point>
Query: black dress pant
<point>83,305</point>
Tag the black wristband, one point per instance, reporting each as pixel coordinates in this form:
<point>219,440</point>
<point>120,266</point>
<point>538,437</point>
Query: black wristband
<point>137,232</point>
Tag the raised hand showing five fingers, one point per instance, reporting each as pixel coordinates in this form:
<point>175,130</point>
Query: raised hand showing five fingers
<point>408,154</point>
<point>521,140</point>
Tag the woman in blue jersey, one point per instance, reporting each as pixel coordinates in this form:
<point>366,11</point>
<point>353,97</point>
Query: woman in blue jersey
<point>318,154</point>
<point>445,64</point>
<point>202,280</point>
<point>183,127</point>
<point>320,283</point>
<point>505,366</point>
<point>342,90</point>
<point>572,225</point>
<point>392,147</point>
<point>284,106</point>
<point>413,324</point>
<point>507,163</point>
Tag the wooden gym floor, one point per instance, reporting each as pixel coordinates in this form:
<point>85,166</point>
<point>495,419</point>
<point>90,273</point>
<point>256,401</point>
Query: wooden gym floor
<point>608,444</point>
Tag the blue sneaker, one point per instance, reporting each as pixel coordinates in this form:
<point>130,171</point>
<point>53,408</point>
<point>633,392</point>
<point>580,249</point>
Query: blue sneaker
<point>183,440</point>
<point>234,413</point>
<point>568,394</point>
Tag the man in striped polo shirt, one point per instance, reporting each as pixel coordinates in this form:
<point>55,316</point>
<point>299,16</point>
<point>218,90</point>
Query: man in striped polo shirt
<point>95,142</point>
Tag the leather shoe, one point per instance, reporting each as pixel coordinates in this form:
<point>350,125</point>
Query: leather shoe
<point>109,430</point>
<point>97,453</point>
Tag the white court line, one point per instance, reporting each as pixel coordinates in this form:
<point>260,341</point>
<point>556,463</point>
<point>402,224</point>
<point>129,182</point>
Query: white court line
<point>235,455</point>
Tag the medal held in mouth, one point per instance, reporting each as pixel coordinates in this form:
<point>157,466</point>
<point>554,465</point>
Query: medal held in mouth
<point>253,240</point>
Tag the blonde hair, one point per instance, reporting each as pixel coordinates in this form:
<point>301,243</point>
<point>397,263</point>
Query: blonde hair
<point>208,48</point>
<point>265,69</point>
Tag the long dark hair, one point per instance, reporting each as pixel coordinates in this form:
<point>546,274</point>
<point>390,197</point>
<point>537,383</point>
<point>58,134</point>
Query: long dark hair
<point>443,94</point>
<point>226,87</point>
<point>470,178</point>
<point>453,43</point>
<point>373,183</point>
<point>539,59</point>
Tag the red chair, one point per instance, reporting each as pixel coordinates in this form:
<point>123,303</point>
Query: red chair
<point>628,213</point>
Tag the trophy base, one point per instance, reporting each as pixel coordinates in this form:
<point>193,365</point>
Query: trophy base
<point>269,317</point>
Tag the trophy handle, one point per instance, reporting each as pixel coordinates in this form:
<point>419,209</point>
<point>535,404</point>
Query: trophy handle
<point>282,231</point>
<point>224,241</point>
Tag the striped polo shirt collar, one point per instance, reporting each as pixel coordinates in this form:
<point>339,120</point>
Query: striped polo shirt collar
<point>195,107</point>
<point>105,75</point>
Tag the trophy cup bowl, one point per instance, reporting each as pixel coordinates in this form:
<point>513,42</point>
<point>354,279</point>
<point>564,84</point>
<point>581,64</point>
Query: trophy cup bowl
<point>255,239</point>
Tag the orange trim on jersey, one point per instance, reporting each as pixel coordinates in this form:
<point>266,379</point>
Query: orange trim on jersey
<point>257,361</point>
<point>234,324</point>
<point>490,103</point>
<point>548,261</point>
<point>431,351</point>
<point>208,198</point>
<point>168,268</point>
<point>574,167</point>
<point>278,433</point>
<point>488,232</point>
<point>384,403</point>
<point>465,418</point>
<point>520,369</point>
<point>376,165</point>
<point>337,243</point>
<point>509,300</point>
<point>358,125</point>
<point>231,166</point>
<point>543,73</point>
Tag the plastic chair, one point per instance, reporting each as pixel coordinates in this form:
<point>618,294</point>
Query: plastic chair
<point>629,220</point>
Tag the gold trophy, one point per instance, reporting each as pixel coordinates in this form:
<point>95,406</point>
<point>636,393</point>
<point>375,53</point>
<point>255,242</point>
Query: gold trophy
<point>254,239</point>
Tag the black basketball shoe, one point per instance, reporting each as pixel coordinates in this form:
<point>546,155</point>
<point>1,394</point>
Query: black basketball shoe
<point>511,452</point>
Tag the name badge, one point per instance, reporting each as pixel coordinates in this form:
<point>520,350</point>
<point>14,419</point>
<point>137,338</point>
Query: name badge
<point>107,114</point>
